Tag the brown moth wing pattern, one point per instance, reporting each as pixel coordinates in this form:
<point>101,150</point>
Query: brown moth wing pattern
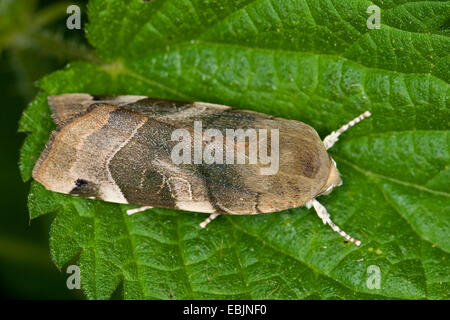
<point>240,189</point>
<point>118,149</point>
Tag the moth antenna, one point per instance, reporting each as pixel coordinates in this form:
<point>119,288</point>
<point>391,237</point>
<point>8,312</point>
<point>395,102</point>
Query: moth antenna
<point>331,139</point>
<point>211,217</point>
<point>325,216</point>
<point>140,209</point>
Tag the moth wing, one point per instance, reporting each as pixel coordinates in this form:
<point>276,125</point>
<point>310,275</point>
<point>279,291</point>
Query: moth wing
<point>113,154</point>
<point>298,167</point>
<point>66,107</point>
<point>126,156</point>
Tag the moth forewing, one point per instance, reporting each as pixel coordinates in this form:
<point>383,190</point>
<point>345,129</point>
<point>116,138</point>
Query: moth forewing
<point>137,150</point>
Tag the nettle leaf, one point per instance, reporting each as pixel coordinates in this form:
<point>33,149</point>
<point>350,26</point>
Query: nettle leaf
<point>314,61</point>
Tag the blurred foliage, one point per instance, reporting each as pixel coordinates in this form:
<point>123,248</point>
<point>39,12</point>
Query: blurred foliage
<point>34,41</point>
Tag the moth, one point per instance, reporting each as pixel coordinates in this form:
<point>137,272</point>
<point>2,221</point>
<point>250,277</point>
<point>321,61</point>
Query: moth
<point>121,149</point>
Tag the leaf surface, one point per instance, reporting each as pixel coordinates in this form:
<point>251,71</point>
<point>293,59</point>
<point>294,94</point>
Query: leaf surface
<point>313,61</point>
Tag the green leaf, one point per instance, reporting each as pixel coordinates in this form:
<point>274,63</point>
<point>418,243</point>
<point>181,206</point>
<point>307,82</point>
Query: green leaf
<point>313,61</point>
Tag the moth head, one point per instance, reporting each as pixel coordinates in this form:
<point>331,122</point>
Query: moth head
<point>333,180</point>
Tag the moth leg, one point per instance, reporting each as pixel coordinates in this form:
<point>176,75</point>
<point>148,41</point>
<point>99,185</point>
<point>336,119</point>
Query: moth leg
<point>209,219</point>
<point>140,209</point>
<point>325,216</point>
<point>331,139</point>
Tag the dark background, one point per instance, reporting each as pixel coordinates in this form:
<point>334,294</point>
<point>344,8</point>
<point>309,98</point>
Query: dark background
<point>28,51</point>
